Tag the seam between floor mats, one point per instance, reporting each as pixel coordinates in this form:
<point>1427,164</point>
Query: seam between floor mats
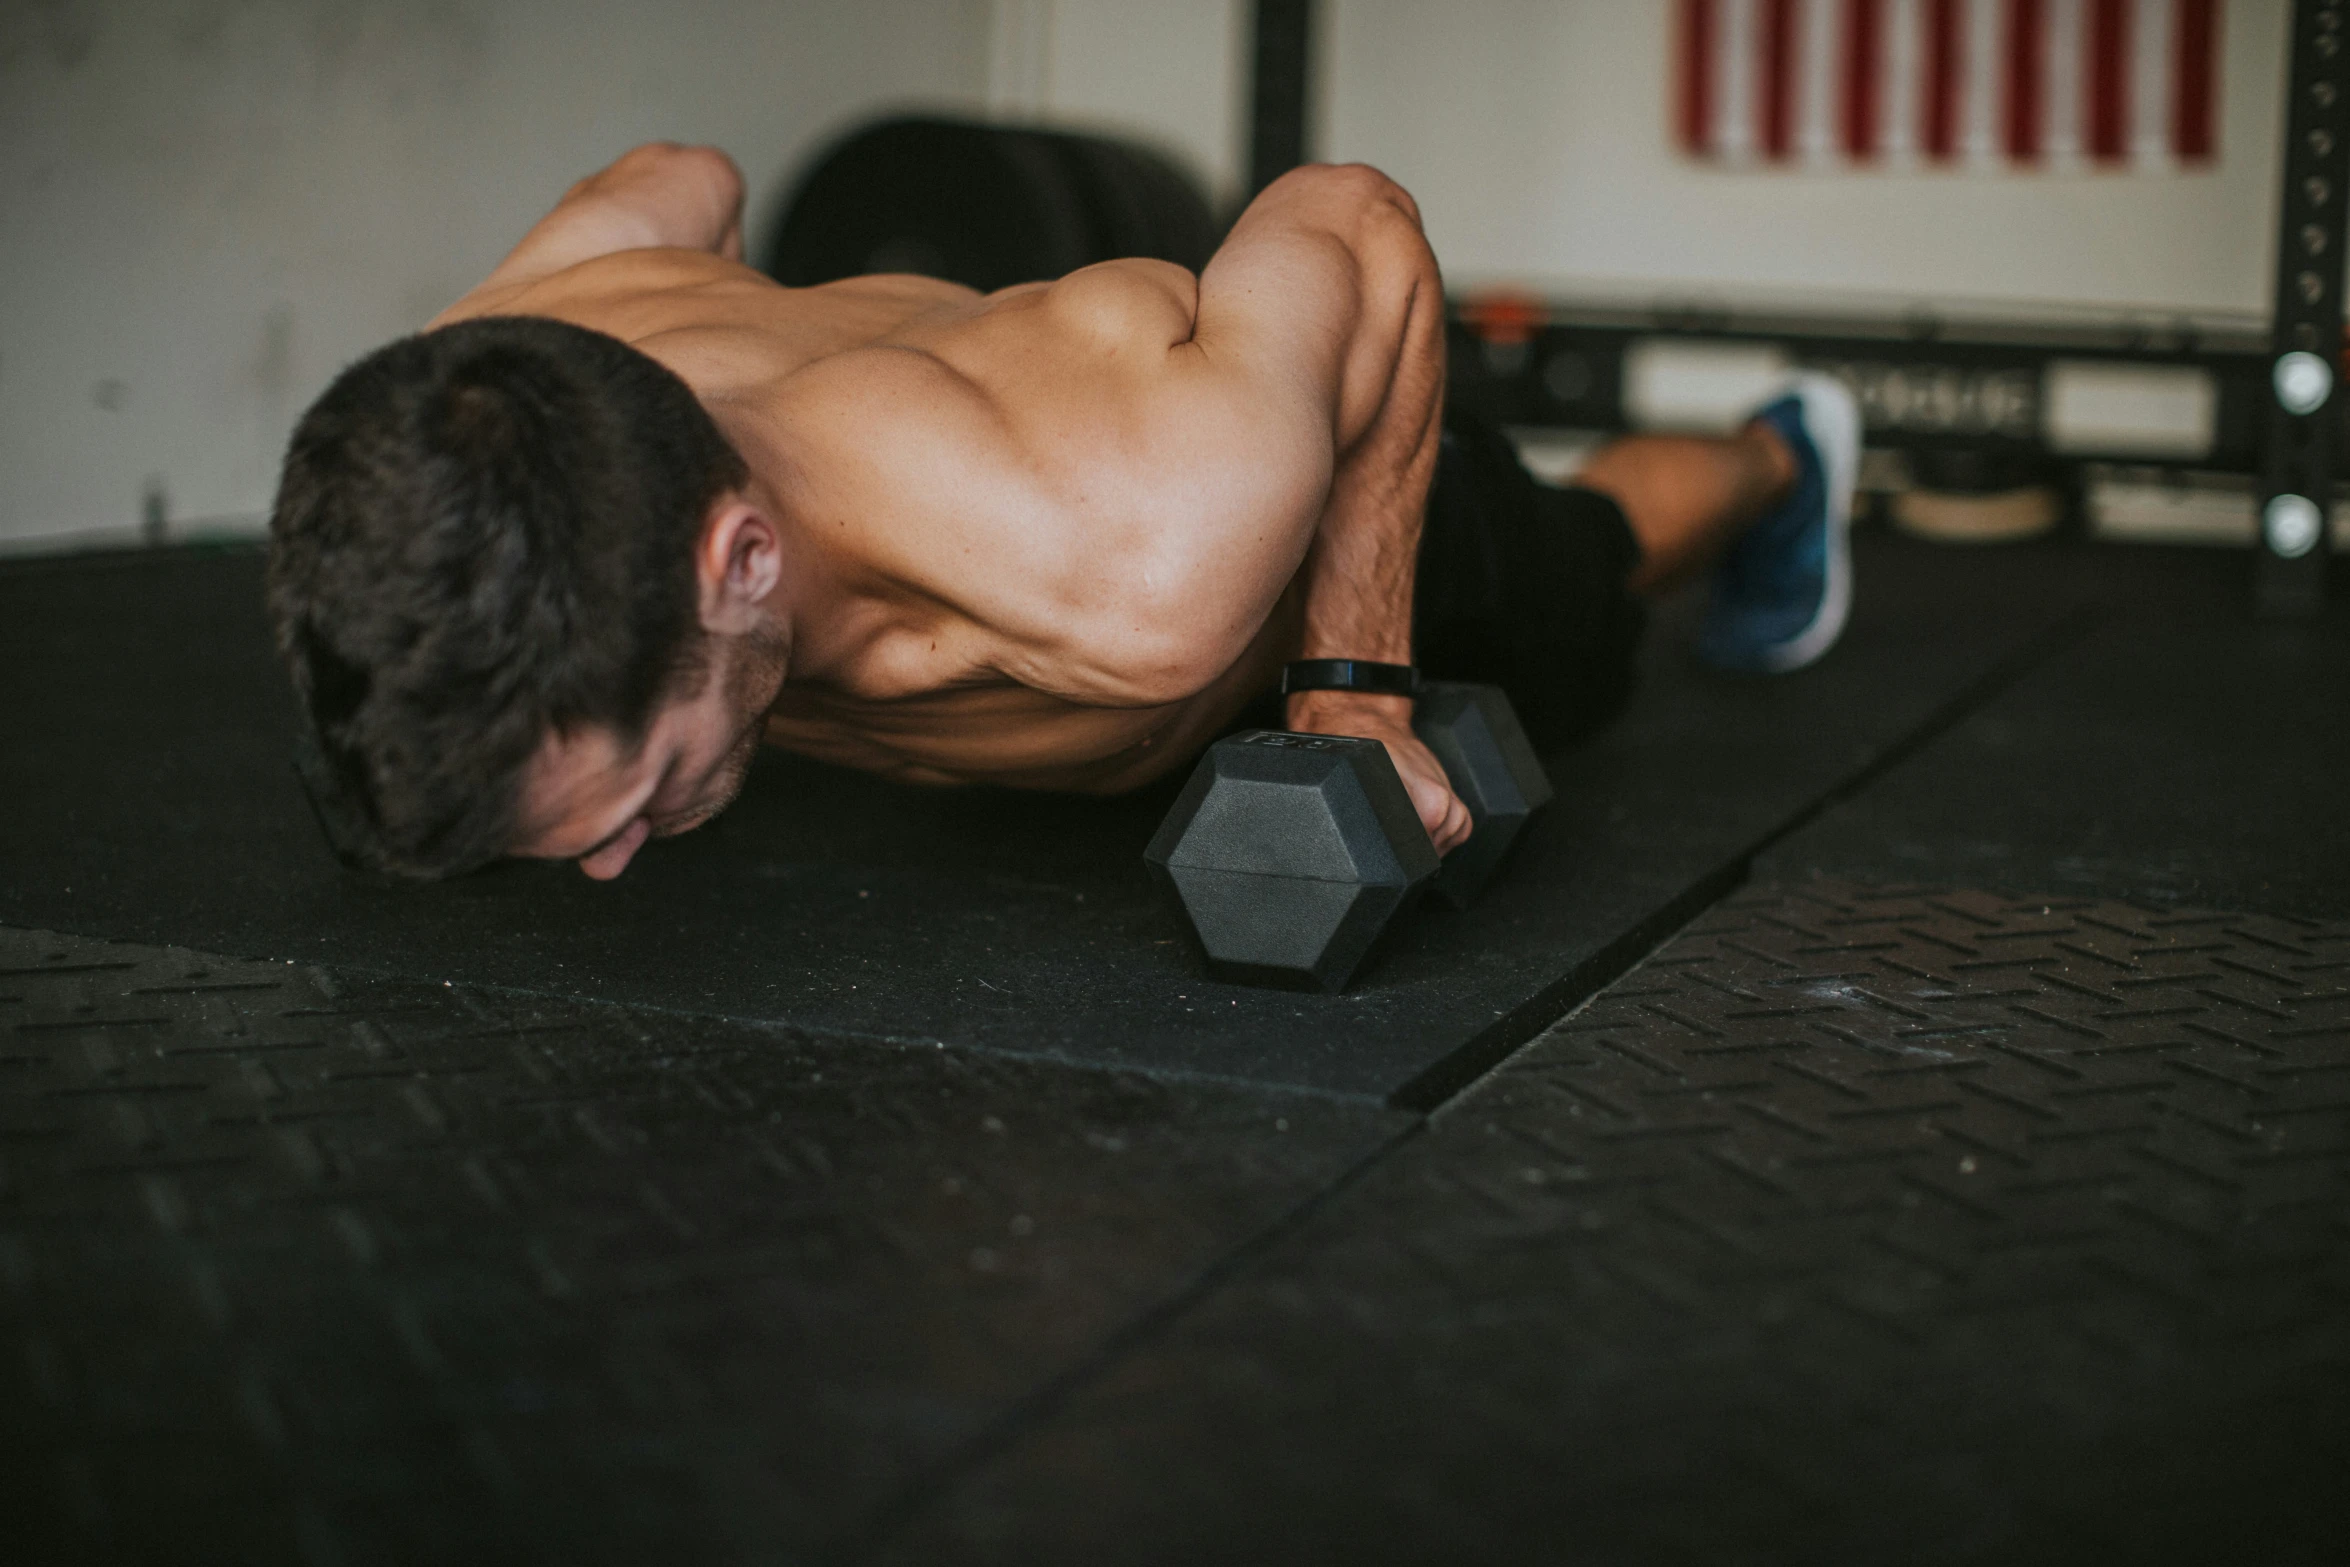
<point>846,1038</point>
<point>1449,1075</point>
<point>1034,1407</point>
<point>874,1039</point>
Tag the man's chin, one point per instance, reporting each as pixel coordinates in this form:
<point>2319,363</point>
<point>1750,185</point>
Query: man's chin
<point>736,772</point>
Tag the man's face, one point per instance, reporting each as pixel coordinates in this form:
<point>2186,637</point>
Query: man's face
<point>587,798</point>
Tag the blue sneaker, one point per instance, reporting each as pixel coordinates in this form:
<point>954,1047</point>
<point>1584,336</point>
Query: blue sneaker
<point>1781,595</point>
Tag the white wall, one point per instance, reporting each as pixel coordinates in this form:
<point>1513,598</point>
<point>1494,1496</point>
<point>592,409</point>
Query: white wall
<point>208,207</point>
<point>1535,135</point>
<point>1171,70</point>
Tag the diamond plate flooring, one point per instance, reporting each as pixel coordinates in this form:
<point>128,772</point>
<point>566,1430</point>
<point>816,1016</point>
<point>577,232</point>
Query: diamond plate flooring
<point>1854,1225</point>
<point>305,1267</point>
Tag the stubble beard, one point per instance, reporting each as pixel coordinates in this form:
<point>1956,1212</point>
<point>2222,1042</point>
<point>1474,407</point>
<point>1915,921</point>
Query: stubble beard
<point>751,685</point>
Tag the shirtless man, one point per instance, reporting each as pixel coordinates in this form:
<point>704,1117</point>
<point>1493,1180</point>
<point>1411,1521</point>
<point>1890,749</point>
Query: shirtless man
<point>548,572</point>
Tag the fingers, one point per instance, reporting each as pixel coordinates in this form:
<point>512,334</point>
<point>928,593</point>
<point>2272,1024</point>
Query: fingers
<point>1441,813</point>
<point>1450,829</point>
<point>1457,825</point>
<point>1429,801</point>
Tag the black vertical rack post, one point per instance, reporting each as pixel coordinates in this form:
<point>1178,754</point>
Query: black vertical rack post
<point>1278,69</point>
<point>2305,346</point>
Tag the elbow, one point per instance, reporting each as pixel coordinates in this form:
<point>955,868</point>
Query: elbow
<point>1160,649</point>
<point>669,163</point>
<point>1377,224</point>
<point>1153,666</point>
<point>671,157</point>
<point>716,170</point>
<point>1357,190</point>
<point>712,169</point>
<point>1204,583</point>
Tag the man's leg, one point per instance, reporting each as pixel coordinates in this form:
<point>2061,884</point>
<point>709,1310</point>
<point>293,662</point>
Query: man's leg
<point>1689,497</point>
<point>1767,509</point>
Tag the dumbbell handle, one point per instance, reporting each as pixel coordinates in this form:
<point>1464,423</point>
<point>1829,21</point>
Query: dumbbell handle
<point>1475,737</point>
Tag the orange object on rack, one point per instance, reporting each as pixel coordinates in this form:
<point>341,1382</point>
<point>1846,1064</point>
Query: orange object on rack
<point>1504,316</point>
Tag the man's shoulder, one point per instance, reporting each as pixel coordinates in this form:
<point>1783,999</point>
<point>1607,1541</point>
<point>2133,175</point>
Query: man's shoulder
<point>1136,300</point>
<point>599,284</point>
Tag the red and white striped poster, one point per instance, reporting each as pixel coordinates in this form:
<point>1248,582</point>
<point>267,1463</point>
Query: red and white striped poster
<point>2053,84</point>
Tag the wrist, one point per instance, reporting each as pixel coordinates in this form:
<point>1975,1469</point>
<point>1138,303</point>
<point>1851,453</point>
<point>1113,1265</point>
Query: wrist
<point>1347,712</point>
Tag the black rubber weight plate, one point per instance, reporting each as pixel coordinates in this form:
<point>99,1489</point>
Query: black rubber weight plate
<point>1141,204</point>
<point>977,205</point>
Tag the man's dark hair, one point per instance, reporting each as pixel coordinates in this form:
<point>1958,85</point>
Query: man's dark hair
<point>483,536</point>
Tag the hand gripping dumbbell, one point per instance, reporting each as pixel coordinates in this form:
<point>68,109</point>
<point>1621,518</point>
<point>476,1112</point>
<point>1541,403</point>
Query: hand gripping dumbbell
<point>1293,853</point>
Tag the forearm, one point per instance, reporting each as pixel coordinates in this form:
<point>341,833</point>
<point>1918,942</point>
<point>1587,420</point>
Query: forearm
<point>658,196</point>
<point>1358,604</point>
<point>1360,570</point>
<point>1359,581</point>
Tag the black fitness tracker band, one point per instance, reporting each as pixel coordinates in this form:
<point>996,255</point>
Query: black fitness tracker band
<point>1350,674</point>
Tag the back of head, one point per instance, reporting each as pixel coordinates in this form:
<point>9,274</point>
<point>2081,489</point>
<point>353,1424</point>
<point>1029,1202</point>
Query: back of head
<point>484,536</point>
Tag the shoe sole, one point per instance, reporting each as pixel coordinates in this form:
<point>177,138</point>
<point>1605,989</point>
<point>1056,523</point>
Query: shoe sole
<point>1837,439</point>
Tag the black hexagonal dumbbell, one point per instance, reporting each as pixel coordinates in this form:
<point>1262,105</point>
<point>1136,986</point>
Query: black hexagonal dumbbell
<point>1293,853</point>
<point>1491,765</point>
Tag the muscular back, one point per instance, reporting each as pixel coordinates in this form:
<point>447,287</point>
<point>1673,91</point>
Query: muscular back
<point>1056,532</point>
<point>979,478</point>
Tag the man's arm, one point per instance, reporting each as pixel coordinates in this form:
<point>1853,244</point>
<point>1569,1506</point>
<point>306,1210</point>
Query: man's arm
<point>658,196</point>
<point>1330,267</point>
<point>1120,476</point>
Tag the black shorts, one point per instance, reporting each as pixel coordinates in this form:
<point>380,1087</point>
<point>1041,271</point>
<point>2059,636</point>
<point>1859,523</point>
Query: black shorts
<point>1522,585</point>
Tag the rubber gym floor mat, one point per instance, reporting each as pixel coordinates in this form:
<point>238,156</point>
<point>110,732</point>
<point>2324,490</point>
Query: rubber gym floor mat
<point>150,798</point>
<point>298,1265</point>
<point>2179,751</point>
<point>1857,1224</point>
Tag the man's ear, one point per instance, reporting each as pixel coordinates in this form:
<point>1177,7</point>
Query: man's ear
<point>738,563</point>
